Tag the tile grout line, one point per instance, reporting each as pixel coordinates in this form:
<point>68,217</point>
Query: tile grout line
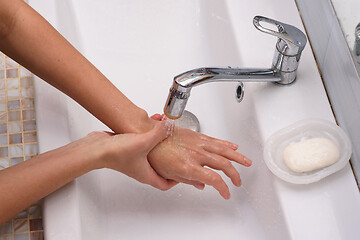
<point>6,109</point>
<point>22,140</point>
<point>22,119</point>
<point>27,113</point>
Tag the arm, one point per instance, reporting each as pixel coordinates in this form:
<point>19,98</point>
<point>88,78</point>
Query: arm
<point>29,39</point>
<point>41,175</point>
<point>46,53</point>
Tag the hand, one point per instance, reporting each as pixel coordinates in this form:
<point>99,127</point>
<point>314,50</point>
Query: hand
<point>127,153</point>
<point>183,155</point>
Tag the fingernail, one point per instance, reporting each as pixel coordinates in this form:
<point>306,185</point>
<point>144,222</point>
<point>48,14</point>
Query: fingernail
<point>234,146</point>
<point>238,184</point>
<point>247,161</point>
<point>227,196</point>
<point>199,186</point>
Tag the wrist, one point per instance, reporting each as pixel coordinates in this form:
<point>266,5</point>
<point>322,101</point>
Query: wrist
<point>140,123</point>
<point>90,152</point>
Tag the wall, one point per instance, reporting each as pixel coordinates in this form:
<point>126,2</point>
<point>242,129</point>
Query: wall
<point>339,74</point>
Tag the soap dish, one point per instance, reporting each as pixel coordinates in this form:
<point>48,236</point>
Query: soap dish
<point>302,130</point>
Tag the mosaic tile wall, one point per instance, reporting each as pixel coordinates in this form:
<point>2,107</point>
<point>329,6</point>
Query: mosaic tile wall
<point>18,141</point>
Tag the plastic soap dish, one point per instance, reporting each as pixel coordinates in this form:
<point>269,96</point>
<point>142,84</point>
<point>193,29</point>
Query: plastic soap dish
<point>302,130</point>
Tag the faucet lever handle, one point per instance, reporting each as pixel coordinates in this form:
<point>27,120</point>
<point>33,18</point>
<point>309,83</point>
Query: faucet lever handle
<point>294,38</point>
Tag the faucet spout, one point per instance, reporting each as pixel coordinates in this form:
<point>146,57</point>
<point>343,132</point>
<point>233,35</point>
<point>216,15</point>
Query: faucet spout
<point>184,82</point>
<point>291,42</point>
<point>200,76</point>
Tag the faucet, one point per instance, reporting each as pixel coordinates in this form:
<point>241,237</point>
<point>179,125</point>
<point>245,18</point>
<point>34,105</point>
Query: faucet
<point>357,40</point>
<point>290,44</point>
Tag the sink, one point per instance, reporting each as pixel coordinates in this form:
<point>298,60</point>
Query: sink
<point>141,43</point>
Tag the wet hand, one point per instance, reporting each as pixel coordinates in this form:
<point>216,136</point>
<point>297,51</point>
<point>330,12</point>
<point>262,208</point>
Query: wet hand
<point>185,155</point>
<point>127,153</point>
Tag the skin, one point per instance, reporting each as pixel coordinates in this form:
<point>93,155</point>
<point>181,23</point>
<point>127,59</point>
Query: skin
<point>43,174</point>
<point>179,158</point>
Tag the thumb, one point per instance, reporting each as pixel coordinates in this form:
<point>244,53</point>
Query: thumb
<point>160,131</point>
<point>157,117</point>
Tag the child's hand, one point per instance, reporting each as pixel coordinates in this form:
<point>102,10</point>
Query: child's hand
<point>127,153</point>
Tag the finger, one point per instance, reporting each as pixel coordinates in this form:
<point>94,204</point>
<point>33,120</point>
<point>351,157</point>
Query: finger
<point>228,153</point>
<point>157,181</point>
<point>157,117</point>
<point>223,142</point>
<point>196,184</point>
<point>220,163</point>
<point>160,131</point>
<point>211,178</point>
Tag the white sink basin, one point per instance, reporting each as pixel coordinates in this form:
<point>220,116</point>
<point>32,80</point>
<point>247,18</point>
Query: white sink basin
<point>140,46</point>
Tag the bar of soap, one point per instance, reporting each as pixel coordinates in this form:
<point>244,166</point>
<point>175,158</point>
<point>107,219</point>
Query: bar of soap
<point>311,154</point>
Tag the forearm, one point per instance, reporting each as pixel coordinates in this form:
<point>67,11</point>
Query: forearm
<point>34,43</point>
<point>27,182</point>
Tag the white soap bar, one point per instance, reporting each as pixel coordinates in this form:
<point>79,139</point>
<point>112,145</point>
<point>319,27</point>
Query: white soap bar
<point>311,154</point>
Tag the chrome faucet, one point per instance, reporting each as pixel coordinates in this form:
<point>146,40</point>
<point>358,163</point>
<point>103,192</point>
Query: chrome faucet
<point>357,40</point>
<point>290,44</point>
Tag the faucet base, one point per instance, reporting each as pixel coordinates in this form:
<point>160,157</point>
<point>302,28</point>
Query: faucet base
<point>287,78</point>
